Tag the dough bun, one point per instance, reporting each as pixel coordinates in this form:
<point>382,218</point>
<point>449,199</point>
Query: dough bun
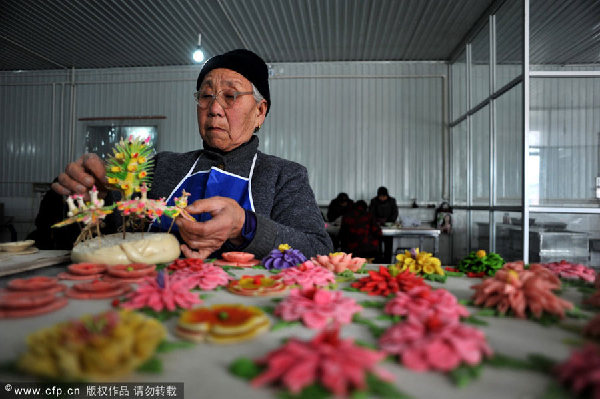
<point>150,248</point>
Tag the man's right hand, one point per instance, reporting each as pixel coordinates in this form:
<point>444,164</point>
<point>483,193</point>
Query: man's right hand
<point>80,176</point>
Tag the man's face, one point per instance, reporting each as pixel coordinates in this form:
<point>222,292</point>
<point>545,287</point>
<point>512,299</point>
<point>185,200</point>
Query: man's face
<point>382,197</point>
<point>228,128</point>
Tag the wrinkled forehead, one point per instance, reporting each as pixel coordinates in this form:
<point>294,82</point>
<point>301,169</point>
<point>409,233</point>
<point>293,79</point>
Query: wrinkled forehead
<point>223,78</point>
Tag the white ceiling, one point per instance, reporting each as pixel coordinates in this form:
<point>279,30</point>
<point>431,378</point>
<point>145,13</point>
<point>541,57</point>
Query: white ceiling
<point>52,34</point>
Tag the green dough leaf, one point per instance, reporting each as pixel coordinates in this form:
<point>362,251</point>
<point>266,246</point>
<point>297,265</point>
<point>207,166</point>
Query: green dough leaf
<point>244,368</point>
<point>152,365</point>
<point>167,346</point>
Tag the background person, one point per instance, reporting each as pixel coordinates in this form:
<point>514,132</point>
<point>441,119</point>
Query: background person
<point>384,210</point>
<point>338,207</point>
<point>360,234</point>
<point>383,207</point>
<point>242,198</point>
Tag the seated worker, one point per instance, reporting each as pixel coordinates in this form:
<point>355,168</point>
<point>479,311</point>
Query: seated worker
<point>242,198</point>
<point>383,207</point>
<point>385,210</point>
<point>359,232</point>
<point>338,207</point>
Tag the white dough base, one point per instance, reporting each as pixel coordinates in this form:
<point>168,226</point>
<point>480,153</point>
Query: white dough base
<point>113,250</point>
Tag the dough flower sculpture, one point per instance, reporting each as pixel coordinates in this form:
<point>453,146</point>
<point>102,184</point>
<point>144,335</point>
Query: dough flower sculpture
<point>480,263</point>
<point>90,214</point>
<point>307,275</point>
<point>130,165</point>
<point>283,257</point>
<point>317,307</point>
<point>422,302</point>
<point>337,364</point>
<point>383,283</point>
<point>417,262</point>
<point>580,371</point>
<point>570,270</point>
<point>338,262</point>
<point>95,347</point>
<point>519,290</point>
<point>206,277</point>
<point>164,292</point>
<point>434,343</point>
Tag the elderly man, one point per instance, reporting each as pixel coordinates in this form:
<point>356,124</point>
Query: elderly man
<point>242,198</point>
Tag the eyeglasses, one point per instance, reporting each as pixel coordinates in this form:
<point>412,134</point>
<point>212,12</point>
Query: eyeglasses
<point>225,97</point>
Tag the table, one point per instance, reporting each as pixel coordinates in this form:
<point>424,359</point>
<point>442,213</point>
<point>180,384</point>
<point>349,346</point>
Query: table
<point>421,233</point>
<point>203,368</point>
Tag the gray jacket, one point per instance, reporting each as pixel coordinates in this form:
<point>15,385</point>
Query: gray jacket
<point>285,206</point>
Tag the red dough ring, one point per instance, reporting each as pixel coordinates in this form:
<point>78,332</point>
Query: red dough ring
<point>56,304</point>
<point>32,284</point>
<point>78,277</point>
<point>134,280</point>
<point>260,291</point>
<point>97,286</point>
<point>250,263</point>
<point>132,270</point>
<point>121,289</point>
<point>86,269</point>
<point>238,257</point>
<point>18,300</point>
<point>222,262</point>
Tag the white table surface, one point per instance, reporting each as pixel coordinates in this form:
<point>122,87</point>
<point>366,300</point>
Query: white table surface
<point>203,368</point>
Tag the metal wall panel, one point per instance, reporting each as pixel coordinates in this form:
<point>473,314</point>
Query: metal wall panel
<point>355,126</point>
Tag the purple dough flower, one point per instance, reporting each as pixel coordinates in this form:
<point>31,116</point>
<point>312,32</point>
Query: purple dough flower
<point>283,257</point>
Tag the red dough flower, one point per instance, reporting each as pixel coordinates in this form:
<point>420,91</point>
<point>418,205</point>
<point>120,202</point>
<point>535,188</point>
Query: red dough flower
<point>434,343</point>
<point>164,292</point>
<point>520,290</point>
<point>336,363</point>
<point>307,275</point>
<point>422,302</point>
<point>317,307</point>
<point>187,263</point>
<point>592,328</point>
<point>383,283</point>
<point>581,371</point>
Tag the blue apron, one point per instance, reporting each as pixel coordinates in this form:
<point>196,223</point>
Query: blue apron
<point>210,183</point>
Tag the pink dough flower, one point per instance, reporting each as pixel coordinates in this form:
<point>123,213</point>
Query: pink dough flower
<point>581,371</point>
<point>422,302</point>
<point>307,275</point>
<point>520,290</point>
<point>434,344</point>
<point>164,292</point>
<point>570,270</point>
<point>337,364</point>
<point>317,307</point>
<point>205,277</point>
<point>339,262</point>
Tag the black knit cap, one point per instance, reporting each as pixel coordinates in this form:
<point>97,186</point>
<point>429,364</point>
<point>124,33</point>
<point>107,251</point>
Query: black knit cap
<point>244,62</point>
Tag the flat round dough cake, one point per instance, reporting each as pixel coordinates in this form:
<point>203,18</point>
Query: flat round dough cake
<point>136,248</point>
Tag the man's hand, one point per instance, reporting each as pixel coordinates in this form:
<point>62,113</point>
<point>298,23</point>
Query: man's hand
<point>80,176</point>
<point>203,238</point>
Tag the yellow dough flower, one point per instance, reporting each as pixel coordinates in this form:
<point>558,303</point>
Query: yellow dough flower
<point>417,262</point>
<point>284,247</point>
<point>481,253</point>
<point>94,347</point>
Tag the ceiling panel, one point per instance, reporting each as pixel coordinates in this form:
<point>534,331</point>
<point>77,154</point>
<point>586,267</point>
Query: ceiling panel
<point>50,34</point>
